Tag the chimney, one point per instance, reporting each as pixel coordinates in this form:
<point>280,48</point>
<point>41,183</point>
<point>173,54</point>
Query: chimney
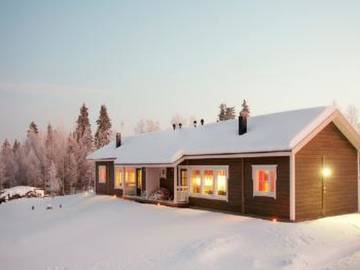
<point>244,115</point>
<point>202,122</point>
<point>118,139</point>
<point>174,126</point>
<point>195,123</point>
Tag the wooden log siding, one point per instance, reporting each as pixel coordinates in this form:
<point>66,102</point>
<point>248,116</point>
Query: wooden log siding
<point>261,206</point>
<point>341,186</point>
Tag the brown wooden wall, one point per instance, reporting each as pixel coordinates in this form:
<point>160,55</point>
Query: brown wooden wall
<point>108,187</point>
<point>262,206</point>
<point>341,187</point>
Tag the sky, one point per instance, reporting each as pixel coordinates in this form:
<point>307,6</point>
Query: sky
<point>153,59</point>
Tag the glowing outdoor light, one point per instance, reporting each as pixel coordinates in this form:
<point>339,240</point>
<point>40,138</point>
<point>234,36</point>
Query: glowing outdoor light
<point>326,172</point>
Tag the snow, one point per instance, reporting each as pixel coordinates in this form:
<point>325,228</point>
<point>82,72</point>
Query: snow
<point>102,232</point>
<point>20,191</point>
<point>271,132</point>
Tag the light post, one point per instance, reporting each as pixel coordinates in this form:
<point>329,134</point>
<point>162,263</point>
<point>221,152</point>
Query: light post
<point>325,173</point>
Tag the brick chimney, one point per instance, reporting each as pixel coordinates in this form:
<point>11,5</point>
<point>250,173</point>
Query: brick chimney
<point>118,139</point>
<point>244,115</point>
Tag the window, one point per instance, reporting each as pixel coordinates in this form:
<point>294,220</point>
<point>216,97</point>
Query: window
<point>102,173</point>
<point>130,177</point>
<point>118,177</point>
<point>183,177</point>
<point>221,183</point>
<point>264,180</point>
<point>208,182</point>
<point>196,181</point>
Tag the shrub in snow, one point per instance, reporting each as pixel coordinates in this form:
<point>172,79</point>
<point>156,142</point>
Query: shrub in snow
<point>20,192</point>
<point>160,194</point>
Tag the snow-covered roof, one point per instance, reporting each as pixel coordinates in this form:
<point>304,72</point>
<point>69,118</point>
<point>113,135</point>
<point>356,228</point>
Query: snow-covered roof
<point>266,133</point>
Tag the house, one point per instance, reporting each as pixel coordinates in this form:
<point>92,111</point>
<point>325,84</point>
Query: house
<point>293,165</point>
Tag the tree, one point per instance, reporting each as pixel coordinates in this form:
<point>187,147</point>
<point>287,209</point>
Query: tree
<point>222,113</point>
<point>352,114</point>
<point>103,133</point>
<point>146,126</point>
<point>54,181</point>
<point>7,159</point>
<point>230,113</point>
<point>84,139</point>
<point>226,113</point>
<point>33,129</point>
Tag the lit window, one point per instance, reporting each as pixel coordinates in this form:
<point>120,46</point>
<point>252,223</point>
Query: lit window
<point>208,182</point>
<point>130,177</point>
<point>118,177</point>
<point>264,180</point>
<point>102,174</point>
<point>196,181</point>
<point>221,183</point>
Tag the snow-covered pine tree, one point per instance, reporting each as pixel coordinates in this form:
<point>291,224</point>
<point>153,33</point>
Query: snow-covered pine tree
<point>33,129</point>
<point>230,113</point>
<point>83,135</point>
<point>7,158</point>
<point>54,181</point>
<point>222,113</point>
<point>103,133</point>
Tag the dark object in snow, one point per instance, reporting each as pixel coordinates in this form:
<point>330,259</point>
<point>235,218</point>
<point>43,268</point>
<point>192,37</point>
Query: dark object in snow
<point>60,205</point>
<point>49,207</point>
<point>32,207</point>
<point>160,194</point>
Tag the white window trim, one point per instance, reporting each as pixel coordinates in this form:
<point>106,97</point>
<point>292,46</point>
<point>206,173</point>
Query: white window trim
<point>106,174</point>
<point>255,169</point>
<point>122,177</point>
<point>202,168</point>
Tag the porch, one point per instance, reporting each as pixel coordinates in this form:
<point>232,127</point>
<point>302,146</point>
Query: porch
<point>155,185</point>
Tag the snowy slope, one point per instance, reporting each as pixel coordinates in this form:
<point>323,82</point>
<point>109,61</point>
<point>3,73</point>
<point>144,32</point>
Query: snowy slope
<point>97,232</point>
<point>271,132</point>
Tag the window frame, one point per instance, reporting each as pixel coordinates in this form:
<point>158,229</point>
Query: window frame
<point>255,170</point>
<point>106,174</point>
<point>203,168</point>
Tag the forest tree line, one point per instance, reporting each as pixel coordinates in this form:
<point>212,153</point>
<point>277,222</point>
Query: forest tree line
<point>56,161</point>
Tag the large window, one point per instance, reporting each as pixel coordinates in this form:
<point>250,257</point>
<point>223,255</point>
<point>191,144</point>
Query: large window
<point>264,180</point>
<point>195,181</point>
<point>118,177</point>
<point>130,177</point>
<point>207,181</point>
<point>102,173</point>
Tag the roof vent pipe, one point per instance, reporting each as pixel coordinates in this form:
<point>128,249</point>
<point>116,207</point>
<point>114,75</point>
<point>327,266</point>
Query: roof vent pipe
<point>118,139</point>
<point>180,125</point>
<point>174,126</point>
<point>244,115</point>
<point>202,122</point>
<point>195,123</point>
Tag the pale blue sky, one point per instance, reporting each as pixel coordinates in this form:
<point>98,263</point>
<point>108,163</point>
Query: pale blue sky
<point>152,59</point>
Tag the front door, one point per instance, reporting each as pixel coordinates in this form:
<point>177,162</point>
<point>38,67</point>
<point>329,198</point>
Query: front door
<point>182,186</point>
<point>139,183</point>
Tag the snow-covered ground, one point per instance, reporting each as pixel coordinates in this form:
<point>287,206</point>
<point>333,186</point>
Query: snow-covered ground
<point>99,232</point>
